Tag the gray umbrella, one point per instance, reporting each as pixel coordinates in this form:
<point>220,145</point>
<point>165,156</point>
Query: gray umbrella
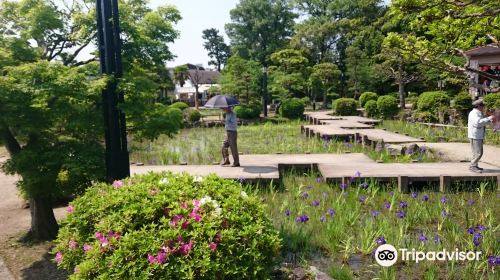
<point>221,101</point>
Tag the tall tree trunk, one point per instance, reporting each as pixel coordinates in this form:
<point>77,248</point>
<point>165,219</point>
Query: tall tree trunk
<point>196,98</point>
<point>43,222</point>
<point>402,100</point>
<point>323,106</point>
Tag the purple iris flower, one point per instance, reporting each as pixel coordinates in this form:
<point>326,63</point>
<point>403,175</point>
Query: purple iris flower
<point>302,219</point>
<point>403,204</point>
<point>470,230</point>
<point>375,213</point>
<point>400,214</point>
<point>315,202</point>
<point>425,198</point>
<point>444,199</point>
<point>357,174</point>
<point>422,237</point>
<point>471,202</point>
<point>391,193</point>
<point>437,239</point>
<point>343,186</point>
<point>380,240</point>
<point>322,218</point>
<point>476,238</point>
<point>309,187</point>
<point>318,180</point>
<point>331,212</point>
<point>387,205</point>
<point>414,194</point>
<point>445,213</point>
<point>287,212</point>
<point>364,185</point>
<point>480,227</point>
<point>304,195</point>
<point>362,199</point>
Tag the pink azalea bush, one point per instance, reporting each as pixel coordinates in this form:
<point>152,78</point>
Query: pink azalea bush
<point>166,226</point>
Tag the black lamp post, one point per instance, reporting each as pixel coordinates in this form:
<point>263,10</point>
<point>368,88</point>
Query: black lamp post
<point>264,90</point>
<point>108,32</point>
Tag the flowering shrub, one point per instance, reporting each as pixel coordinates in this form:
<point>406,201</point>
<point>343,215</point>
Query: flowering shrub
<point>164,226</point>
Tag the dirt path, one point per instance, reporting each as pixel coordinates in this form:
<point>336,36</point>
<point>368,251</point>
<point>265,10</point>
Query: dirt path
<point>14,222</point>
<point>462,152</point>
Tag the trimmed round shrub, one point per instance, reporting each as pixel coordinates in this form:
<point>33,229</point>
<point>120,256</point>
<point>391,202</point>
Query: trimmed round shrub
<point>180,105</point>
<point>292,108</point>
<point>431,100</point>
<point>491,99</point>
<point>387,106</point>
<point>371,108</point>
<point>345,107</point>
<point>430,104</point>
<point>247,112</point>
<point>166,226</point>
<point>367,96</point>
<point>191,115</point>
<point>462,102</point>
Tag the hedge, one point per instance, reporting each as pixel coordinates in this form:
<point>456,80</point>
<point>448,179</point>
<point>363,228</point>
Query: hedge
<point>345,107</point>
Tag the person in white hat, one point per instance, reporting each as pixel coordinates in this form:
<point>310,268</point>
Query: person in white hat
<point>476,129</point>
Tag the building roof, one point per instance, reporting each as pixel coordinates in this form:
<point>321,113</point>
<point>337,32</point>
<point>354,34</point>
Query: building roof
<point>484,51</point>
<point>206,77</point>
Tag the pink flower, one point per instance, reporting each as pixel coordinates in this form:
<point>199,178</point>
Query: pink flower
<point>152,259</point>
<point>165,249</point>
<point>115,235</point>
<point>196,203</point>
<point>195,216</point>
<point>166,211</point>
<point>186,248</point>
<point>58,258</point>
<point>99,235</point>
<point>161,258</point>
<point>184,205</point>
<point>179,238</point>
<point>72,244</point>
<point>86,248</point>
<point>176,219</point>
<point>212,246</point>
<point>102,239</point>
<point>185,225</point>
<point>77,269</point>
<point>70,209</point>
<point>118,184</point>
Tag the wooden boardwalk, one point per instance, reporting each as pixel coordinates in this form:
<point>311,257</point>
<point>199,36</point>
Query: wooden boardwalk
<point>336,168</point>
<point>317,116</point>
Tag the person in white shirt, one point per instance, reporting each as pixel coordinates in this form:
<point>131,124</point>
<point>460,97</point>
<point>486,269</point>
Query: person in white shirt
<point>476,130</point>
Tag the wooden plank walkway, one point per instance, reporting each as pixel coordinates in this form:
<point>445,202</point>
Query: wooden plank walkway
<point>335,168</point>
<point>366,136</point>
<point>317,116</point>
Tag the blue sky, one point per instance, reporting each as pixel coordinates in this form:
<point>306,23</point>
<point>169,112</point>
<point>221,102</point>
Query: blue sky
<point>197,15</point>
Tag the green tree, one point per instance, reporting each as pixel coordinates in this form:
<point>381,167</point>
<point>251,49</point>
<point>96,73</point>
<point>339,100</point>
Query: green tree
<point>51,119</point>
<point>288,73</point>
<point>443,30</point>
<point>396,65</point>
<point>217,49</point>
<point>241,78</point>
<point>359,70</point>
<point>327,75</point>
<point>258,28</point>
<point>181,74</point>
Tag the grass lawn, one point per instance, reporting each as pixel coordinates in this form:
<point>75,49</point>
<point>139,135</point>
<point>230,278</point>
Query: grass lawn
<point>437,134</point>
<point>203,145</point>
<point>344,227</point>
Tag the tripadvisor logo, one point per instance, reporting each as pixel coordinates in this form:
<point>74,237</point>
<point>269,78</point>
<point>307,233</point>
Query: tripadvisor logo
<point>386,255</point>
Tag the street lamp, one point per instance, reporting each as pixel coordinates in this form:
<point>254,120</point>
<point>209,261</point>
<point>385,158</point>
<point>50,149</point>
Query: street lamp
<point>264,90</point>
<point>115,134</point>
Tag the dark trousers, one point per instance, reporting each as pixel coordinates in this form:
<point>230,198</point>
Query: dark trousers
<point>230,141</point>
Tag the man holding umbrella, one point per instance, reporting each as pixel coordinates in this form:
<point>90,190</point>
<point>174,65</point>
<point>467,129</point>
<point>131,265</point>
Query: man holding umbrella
<point>231,125</point>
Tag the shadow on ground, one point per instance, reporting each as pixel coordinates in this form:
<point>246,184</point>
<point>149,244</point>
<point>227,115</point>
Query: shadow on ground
<point>43,269</point>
